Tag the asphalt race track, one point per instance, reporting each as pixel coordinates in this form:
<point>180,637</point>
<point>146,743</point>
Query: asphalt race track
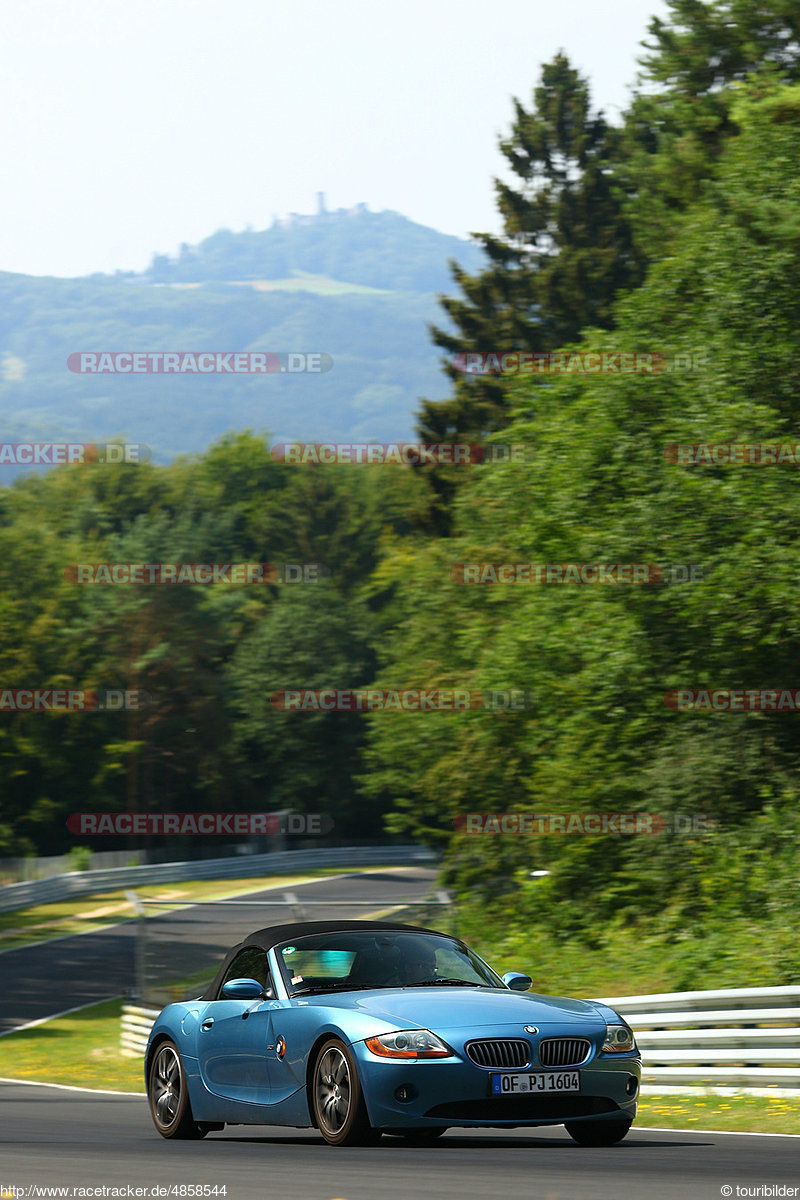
<point>51,977</point>
<point>59,1138</point>
<point>53,1138</point>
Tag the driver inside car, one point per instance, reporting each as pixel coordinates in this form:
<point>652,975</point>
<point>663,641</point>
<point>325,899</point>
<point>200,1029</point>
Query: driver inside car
<point>417,963</point>
<point>395,966</point>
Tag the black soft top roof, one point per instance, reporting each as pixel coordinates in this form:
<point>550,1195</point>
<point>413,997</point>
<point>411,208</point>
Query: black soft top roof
<point>273,935</point>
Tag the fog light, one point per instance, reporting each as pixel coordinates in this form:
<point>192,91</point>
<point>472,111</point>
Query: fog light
<point>632,1086</point>
<point>405,1092</point>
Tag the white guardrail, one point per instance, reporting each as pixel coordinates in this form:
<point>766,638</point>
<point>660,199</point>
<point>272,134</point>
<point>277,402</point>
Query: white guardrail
<point>135,1029</point>
<point>85,883</point>
<point>746,1039</point>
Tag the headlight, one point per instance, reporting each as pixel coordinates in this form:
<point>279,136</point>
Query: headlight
<point>619,1039</point>
<point>409,1043</point>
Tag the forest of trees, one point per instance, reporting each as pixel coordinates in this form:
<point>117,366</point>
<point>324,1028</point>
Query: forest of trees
<point>678,233</point>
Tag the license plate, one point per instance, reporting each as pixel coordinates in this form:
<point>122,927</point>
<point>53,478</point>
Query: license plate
<point>540,1081</point>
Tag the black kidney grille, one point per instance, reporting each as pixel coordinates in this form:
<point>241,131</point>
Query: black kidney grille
<point>500,1052</point>
<point>563,1052</point>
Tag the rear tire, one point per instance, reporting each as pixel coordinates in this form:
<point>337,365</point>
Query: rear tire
<point>168,1094</point>
<point>337,1101</point>
<point>598,1133</point>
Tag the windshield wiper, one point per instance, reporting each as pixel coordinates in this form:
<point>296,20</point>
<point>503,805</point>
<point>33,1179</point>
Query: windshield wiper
<point>321,989</point>
<point>447,983</point>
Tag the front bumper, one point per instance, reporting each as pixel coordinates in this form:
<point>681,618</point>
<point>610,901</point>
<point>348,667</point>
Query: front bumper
<point>455,1091</point>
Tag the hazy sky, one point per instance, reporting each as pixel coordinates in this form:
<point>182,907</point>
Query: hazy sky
<point>130,126</point>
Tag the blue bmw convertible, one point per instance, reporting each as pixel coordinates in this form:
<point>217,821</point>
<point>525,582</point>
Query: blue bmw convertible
<point>364,1028</point>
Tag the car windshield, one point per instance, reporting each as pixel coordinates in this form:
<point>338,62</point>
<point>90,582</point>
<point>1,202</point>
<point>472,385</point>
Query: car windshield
<point>354,961</point>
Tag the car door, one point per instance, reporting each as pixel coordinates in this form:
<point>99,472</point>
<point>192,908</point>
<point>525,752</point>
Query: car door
<point>234,1036</point>
<point>293,1029</point>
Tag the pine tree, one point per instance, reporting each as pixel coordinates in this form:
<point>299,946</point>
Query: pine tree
<point>680,119</point>
<point>566,250</point>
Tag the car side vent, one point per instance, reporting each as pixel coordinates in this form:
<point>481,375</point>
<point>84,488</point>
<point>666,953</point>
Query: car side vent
<point>564,1052</point>
<point>499,1052</point>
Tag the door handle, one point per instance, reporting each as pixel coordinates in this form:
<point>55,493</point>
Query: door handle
<point>209,1021</point>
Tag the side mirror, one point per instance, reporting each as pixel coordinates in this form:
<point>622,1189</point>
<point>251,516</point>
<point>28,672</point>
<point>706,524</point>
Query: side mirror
<point>517,981</point>
<point>242,989</point>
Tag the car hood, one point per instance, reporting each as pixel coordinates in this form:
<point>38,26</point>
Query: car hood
<point>451,1008</point>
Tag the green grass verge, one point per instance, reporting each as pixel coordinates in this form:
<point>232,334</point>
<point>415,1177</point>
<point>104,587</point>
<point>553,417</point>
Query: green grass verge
<point>81,1049</point>
<point>741,1114</point>
<point>628,959</point>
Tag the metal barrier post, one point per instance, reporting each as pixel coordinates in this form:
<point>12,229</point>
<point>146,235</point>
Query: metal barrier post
<point>140,953</point>
<point>299,911</point>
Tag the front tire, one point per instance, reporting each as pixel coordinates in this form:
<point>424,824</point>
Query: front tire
<point>168,1094</point>
<point>598,1133</point>
<point>337,1100</point>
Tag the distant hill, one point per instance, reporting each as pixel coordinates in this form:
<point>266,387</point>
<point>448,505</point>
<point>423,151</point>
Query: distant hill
<point>356,285</point>
<point>379,250</point>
